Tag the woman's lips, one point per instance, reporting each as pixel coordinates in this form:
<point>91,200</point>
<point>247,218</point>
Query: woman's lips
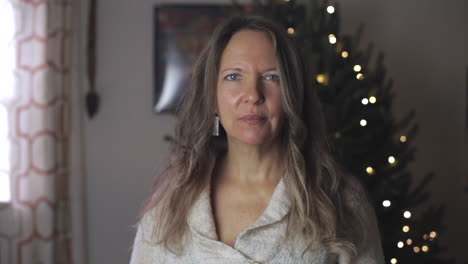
<point>253,119</point>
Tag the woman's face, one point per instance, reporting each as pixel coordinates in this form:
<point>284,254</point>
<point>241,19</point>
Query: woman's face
<point>249,89</point>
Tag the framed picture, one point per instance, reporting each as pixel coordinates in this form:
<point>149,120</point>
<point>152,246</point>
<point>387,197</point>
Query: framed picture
<point>181,32</point>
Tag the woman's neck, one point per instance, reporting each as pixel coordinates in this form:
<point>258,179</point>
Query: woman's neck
<point>247,164</point>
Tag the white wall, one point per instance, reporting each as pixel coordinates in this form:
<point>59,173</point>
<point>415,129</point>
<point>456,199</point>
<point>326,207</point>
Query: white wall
<point>423,44</point>
<point>125,140</point>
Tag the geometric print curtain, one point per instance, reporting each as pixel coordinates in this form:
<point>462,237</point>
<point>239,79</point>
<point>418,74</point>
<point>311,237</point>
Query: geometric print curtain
<point>36,226</point>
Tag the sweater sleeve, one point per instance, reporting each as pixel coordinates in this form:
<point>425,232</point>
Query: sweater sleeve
<point>370,252</point>
<point>145,251</point>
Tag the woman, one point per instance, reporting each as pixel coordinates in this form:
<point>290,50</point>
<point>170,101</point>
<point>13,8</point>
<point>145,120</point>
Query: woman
<point>250,179</point>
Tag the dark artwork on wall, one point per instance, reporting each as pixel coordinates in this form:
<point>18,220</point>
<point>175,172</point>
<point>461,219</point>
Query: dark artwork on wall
<point>181,33</point>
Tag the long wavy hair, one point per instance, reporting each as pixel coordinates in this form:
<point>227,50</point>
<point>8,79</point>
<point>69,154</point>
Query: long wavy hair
<point>321,193</point>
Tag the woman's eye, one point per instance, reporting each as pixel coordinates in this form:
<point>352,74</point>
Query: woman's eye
<point>272,77</point>
<point>232,77</point>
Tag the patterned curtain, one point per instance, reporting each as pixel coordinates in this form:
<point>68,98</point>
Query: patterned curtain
<point>40,223</point>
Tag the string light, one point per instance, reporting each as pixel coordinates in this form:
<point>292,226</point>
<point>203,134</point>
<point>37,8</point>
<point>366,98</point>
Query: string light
<point>360,76</point>
<point>386,203</point>
<point>322,78</point>
<point>365,101</point>
<point>425,236</point>
<point>330,9</point>
<point>391,160</point>
<point>344,54</point>
<point>393,261</point>
<point>425,248</point>
<point>403,139</point>
<point>291,31</point>
<point>409,241</point>
<point>357,68</point>
<point>406,229</point>
<point>370,170</point>
<point>363,122</point>
<point>407,214</point>
<point>433,234</point>
<point>332,39</point>
<point>416,249</point>
<point>400,244</point>
<point>372,99</point>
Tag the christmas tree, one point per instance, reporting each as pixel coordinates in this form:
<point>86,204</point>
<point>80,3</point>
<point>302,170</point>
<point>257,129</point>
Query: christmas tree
<point>365,137</point>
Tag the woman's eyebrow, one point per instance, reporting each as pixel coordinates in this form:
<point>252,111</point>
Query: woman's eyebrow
<point>271,69</point>
<point>240,70</point>
<point>232,69</point>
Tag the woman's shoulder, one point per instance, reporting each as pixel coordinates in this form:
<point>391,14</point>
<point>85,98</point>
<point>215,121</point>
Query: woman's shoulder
<point>146,249</point>
<point>357,206</point>
<point>358,200</point>
<point>148,224</point>
<point>354,192</point>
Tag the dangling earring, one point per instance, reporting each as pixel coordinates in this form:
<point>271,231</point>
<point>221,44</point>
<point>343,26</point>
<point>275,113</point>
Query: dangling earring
<point>216,126</point>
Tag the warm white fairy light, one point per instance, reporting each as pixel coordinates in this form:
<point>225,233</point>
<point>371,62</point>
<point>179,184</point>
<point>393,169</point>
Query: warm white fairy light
<point>330,9</point>
<point>394,261</point>
<point>357,68</point>
<point>365,101</point>
<point>291,31</point>
<point>386,203</point>
<point>344,54</point>
<point>433,234</point>
<point>372,99</point>
<point>416,249</point>
<point>400,244</point>
<point>363,122</point>
<point>407,214</point>
<point>332,39</point>
<point>360,76</point>
<point>425,248</point>
<point>391,160</point>
<point>370,170</point>
<point>409,241</point>
<point>321,78</point>
<point>406,229</point>
<point>403,139</point>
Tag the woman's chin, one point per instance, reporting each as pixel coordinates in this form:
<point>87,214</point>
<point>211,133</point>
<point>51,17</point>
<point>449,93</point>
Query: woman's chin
<point>254,140</point>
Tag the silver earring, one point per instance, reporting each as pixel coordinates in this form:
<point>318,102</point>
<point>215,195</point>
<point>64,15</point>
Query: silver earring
<point>216,126</point>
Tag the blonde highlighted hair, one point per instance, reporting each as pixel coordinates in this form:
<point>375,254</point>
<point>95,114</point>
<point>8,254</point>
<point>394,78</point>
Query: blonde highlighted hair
<point>322,194</point>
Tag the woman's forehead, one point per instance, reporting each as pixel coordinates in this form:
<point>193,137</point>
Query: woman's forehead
<point>247,48</point>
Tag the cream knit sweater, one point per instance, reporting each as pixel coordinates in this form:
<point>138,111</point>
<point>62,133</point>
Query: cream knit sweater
<point>260,243</point>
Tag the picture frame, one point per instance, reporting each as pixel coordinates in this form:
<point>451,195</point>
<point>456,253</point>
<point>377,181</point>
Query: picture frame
<point>180,34</point>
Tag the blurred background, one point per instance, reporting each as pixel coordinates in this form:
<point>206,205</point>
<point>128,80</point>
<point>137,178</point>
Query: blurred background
<point>116,152</point>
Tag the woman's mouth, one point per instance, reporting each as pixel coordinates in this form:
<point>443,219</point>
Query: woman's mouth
<point>253,119</point>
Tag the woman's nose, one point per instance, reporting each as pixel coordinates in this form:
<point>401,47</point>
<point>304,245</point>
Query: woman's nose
<point>254,92</point>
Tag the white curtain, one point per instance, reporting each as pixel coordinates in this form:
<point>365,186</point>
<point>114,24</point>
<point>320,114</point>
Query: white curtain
<point>43,223</point>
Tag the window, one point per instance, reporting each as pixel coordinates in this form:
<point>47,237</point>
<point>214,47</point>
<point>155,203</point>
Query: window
<point>7,66</point>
